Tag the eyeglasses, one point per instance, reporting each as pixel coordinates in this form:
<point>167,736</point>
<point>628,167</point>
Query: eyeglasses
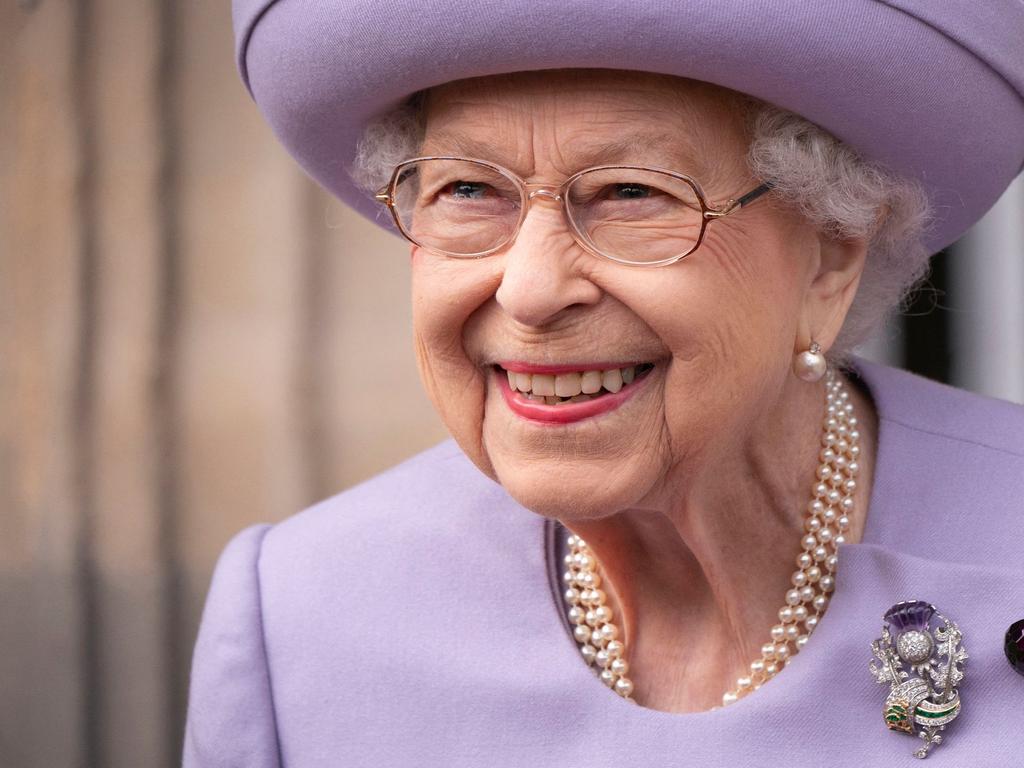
<point>466,209</point>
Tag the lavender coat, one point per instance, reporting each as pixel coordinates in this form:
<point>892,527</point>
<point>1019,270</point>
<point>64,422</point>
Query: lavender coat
<point>416,620</point>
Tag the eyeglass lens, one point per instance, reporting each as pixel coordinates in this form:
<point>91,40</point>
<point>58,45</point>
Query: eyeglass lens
<point>464,208</point>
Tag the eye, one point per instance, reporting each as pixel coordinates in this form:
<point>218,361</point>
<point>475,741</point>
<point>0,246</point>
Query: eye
<point>469,190</point>
<point>630,191</point>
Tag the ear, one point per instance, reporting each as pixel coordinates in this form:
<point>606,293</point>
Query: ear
<point>830,292</point>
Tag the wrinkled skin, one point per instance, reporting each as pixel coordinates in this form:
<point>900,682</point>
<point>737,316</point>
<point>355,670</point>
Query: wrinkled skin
<point>691,494</point>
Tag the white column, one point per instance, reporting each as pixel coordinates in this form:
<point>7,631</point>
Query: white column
<point>987,300</point>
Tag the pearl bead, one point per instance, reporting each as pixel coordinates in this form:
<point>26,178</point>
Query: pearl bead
<point>623,686</point>
<point>792,632</point>
<point>779,632</point>
<point>786,614</point>
<point>744,682</point>
<point>609,631</point>
<point>581,633</point>
<point>757,666</point>
<point>607,677</point>
<point>812,524</point>
<point>569,577</point>
<point>800,613</point>
<point>801,642</point>
<point>824,472</point>
<point>828,583</point>
<point>589,653</point>
<point>815,507</point>
<point>576,614</point>
<point>603,614</point>
<point>831,561</point>
<point>839,540</point>
<point>843,523</point>
<point>781,651</point>
<point>799,578</point>
<point>768,650</point>
<point>811,623</point>
<point>601,659</point>
<point>829,516</point>
<point>804,560</point>
<point>825,535</point>
<point>771,668</point>
<point>615,649</point>
<point>572,596</point>
<point>820,602</point>
<point>619,666</point>
<point>793,597</point>
<point>568,560</point>
<point>728,698</point>
<point>813,574</point>
<point>809,542</point>
<point>591,618</point>
<point>806,594</point>
<point>819,554</point>
<point>573,540</point>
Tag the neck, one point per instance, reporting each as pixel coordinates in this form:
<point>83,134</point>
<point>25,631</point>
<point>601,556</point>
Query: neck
<point>695,583</point>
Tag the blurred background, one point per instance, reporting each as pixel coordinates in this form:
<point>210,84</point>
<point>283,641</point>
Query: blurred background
<point>194,338</point>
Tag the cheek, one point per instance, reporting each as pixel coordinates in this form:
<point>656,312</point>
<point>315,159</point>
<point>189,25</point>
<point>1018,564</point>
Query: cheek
<point>445,294</point>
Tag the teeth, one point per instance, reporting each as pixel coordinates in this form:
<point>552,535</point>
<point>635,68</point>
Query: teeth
<point>567,384</point>
<point>570,387</point>
<point>591,383</point>
<point>543,384</point>
<point>612,380</point>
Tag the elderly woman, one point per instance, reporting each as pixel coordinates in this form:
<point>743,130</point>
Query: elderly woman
<point>675,509</point>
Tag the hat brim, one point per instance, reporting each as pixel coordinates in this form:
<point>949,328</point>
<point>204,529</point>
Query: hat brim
<point>933,91</point>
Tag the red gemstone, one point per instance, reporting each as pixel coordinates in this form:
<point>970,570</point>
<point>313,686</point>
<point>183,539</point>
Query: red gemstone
<point>1014,646</point>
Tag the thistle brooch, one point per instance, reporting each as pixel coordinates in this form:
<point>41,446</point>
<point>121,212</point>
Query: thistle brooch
<point>921,657</point>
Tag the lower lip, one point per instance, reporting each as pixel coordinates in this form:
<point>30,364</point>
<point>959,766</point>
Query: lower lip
<point>568,412</point>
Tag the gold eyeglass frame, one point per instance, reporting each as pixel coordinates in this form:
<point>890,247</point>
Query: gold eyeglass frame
<point>386,196</point>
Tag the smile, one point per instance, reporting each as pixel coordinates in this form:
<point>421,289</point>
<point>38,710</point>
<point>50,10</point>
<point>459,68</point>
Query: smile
<point>559,395</point>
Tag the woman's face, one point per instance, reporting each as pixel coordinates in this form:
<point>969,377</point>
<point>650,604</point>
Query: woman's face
<point>719,327</point>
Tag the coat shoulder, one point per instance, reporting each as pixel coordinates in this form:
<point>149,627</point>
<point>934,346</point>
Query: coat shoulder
<point>434,502</point>
<point>932,408</point>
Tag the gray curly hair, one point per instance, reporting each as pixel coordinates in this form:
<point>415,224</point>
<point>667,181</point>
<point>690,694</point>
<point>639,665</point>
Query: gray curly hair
<point>838,191</point>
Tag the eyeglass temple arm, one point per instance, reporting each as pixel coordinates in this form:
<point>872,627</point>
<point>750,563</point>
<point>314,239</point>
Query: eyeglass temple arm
<point>734,205</point>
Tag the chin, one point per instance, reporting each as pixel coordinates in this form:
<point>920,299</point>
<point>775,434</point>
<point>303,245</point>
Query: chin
<point>568,490</point>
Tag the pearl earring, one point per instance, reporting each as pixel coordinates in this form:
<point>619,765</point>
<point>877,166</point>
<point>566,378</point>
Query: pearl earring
<point>810,365</point>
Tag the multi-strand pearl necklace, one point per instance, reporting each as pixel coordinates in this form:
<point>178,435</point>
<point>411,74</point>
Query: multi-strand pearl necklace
<point>828,519</point>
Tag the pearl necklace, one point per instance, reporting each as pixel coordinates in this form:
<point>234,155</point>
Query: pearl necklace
<point>828,519</point>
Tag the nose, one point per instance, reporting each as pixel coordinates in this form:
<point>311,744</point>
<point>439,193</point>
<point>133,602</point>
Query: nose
<point>545,271</point>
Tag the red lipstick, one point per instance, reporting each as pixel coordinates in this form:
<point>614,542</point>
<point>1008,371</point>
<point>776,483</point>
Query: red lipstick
<point>565,413</point>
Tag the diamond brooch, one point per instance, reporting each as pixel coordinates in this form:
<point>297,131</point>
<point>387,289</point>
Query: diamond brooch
<point>920,656</point>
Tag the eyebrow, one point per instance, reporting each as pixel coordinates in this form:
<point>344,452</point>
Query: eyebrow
<point>657,149</point>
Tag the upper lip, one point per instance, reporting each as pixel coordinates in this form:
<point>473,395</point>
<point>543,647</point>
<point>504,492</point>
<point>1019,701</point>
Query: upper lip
<point>520,366</point>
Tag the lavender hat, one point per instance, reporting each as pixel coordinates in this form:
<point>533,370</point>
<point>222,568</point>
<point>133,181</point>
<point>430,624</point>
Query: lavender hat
<point>933,90</point>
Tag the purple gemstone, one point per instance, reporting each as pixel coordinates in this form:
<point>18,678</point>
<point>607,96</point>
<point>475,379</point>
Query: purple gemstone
<point>1014,646</point>
<point>910,614</point>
